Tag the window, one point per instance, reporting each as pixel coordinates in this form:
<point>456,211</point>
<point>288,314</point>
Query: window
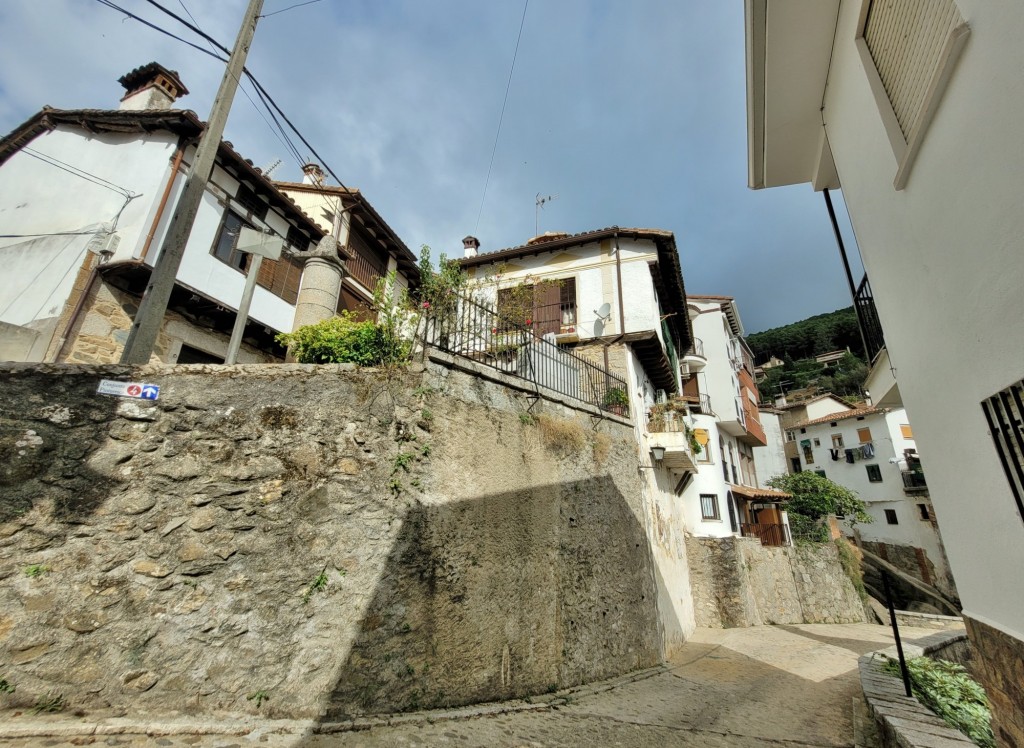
<point>281,277</point>
<point>1004,413</point>
<point>790,436</point>
<point>794,464</point>
<point>837,441</point>
<point>251,202</point>
<point>923,509</point>
<point>890,517</point>
<point>906,431</point>
<point>709,506</point>
<point>803,431</point>
<point>297,239</point>
<point>874,473</point>
<point>833,424</point>
<point>817,442</point>
<point>864,435</point>
<point>703,439</point>
<point>227,240</point>
<point>908,49</point>
<point>820,472</point>
<point>544,307</point>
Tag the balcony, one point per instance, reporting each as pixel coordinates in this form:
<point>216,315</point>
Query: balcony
<point>914,482</point>
<point>745,425</point>
<point>667,430</point>
<point>867,317</point>
<point>694,359</point>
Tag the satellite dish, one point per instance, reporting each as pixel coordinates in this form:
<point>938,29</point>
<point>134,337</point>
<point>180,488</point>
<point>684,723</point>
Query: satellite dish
<point>604,311</point>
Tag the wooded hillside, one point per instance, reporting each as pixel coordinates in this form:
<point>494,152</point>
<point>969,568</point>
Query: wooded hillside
<point>809,337</point>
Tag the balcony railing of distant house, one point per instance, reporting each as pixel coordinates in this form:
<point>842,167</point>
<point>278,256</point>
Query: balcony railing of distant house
<point>465,327</point>
<point>867,317</point>
<point>913,481</point>
<point>362,270</point>
<point>767,534</point>
<point>700,403</point>
<point>698,347</point>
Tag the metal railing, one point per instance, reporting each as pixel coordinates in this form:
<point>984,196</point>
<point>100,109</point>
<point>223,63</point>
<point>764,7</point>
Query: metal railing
<point>363,270</point>
<point>867,317</point>
<point>465,327</point>
<point>669,422</point>
<point>697,349</point>
<point>767,534</point>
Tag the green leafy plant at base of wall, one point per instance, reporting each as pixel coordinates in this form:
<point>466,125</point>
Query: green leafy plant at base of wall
<point>259,697</point>
<point>814,498</point>
<point>947,689</point>
<point>319,584</point>
<point>36,570</point>
<point>49,704</point>
<point>6,686</point>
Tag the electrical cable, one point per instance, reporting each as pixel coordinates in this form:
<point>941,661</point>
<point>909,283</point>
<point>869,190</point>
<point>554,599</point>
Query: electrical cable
<point>75,171</point>
<point>501,117</point>
<point>153,26</point>
<point>290,7</point>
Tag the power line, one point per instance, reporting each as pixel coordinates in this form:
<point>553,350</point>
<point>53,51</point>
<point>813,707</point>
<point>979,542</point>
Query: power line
<point>297,5</point>
<point>501,117</point>
<point>75,171</point>
<point>262,92</point>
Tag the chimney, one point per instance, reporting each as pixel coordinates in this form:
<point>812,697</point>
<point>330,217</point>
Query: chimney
<point>312,174</point>
<point>151,86</point>
<point>471,244</point>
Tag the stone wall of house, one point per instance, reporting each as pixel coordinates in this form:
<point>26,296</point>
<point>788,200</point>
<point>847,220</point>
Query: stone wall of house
<point>998,662</point>
<point>341,541</point>
<point>617,357</point>
<point>915,562</point>
<point>739,582</point>
<point>101,330</point>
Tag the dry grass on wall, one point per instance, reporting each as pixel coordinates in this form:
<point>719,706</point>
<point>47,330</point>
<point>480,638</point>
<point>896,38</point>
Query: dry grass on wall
<point>561,435</point>
<point>602,447</point>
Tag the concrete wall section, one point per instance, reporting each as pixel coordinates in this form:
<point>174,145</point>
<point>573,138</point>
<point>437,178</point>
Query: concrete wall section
<point>771,460</point>
<point>356,541</point>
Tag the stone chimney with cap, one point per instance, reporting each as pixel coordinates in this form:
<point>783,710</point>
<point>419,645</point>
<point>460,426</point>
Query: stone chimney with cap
<point>312,174</point>
<point>151,86</point>
<point>472,246</point>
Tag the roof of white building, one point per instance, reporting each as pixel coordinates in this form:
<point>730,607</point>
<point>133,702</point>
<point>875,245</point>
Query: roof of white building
<point>840,416</point>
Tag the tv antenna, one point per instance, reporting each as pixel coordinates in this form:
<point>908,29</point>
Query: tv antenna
<point>540,204</point>
<point>270,169</point>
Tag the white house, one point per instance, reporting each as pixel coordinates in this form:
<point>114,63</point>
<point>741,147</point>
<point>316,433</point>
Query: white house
<point>85,200</point>
<point>914,110</point>
<point>872,452</point>
<point>771,460</point>
<point>727,496</point>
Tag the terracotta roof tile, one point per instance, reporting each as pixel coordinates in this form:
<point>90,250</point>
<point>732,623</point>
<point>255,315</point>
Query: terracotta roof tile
<point>841,416</point>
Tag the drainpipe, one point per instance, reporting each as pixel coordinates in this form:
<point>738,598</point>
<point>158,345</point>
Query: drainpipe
<point>846,266</point>
<point>175,165</point>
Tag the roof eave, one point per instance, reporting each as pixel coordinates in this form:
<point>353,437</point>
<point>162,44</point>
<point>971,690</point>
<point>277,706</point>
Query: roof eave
<point>755,12</point>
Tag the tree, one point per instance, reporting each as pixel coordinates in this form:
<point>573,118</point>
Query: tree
<point>814,498</point>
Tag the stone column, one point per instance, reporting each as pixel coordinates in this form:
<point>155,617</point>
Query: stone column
<point>321,284</point>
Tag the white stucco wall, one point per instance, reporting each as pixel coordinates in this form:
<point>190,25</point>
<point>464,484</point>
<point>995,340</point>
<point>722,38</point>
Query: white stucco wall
<point>770,460</point>
<point>944,259</point>
<point>708,480</point>
<point>718,379</point>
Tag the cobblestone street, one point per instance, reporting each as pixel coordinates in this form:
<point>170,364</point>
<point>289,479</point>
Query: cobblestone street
<point>763,686</point>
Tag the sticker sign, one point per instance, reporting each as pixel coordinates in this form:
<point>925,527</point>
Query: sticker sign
<point>138,390</point>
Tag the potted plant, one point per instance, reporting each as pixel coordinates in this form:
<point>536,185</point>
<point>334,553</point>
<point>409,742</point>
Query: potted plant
<point>616,401</point>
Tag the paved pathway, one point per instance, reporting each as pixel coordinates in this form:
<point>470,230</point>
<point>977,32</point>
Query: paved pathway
<point>775,686</point>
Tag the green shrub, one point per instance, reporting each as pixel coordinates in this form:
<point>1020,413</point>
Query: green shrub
<point>345,340</point>
<point>947,689</point>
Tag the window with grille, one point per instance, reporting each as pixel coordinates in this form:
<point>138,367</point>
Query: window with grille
<point>908,48</point>
<point>709,506</point>
<point>890,517</point>
<point>1004,412</point>
<point>297,239</point>
<point>874,473</point>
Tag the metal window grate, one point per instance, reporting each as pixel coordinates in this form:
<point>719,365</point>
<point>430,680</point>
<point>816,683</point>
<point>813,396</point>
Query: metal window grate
<point>1004,412</point>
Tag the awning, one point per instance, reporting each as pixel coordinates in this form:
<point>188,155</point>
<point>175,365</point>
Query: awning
<point>761,494</point>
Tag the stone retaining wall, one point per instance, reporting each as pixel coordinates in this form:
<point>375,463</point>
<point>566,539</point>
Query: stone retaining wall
<point>318,540</point>
<point>739,582</point>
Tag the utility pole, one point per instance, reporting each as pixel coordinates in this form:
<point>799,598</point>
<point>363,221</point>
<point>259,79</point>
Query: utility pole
<point>151,312</point>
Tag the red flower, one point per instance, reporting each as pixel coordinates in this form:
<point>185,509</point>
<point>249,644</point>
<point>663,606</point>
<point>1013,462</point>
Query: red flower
<point>529,322</point>
<point>426,305</point>
<point>494,330</point>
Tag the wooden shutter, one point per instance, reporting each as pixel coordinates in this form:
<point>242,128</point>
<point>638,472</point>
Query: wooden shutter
<point>547,313</point>
<point>905,39</point>
<point>281,278</point>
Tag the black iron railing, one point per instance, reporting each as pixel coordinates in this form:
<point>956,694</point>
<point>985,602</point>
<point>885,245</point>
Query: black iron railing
<point>466,327</point>
<point>767,534</point>
<point>697,349</point>
<point>867,316</point>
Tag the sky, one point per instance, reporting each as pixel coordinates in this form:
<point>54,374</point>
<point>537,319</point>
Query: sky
<point>631,112</point>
